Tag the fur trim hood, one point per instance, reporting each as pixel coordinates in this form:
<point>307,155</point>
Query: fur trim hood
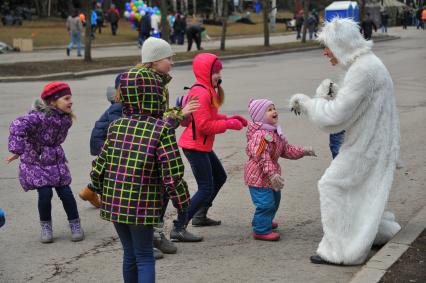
<point>344,39</point>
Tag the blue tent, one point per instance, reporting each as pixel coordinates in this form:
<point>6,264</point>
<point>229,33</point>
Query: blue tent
<point>342,9</point>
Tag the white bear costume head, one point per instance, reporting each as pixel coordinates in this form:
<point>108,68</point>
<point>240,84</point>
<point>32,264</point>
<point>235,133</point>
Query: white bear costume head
<point>344,39</point>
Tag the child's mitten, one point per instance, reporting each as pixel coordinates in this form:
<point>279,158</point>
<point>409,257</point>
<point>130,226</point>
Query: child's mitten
<point>277,182</point>
<point>233,124</point>
<point>239,118</point>
<point>309,151</point>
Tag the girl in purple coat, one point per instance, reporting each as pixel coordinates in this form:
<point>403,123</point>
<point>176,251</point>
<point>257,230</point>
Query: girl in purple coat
<point>36,139</point>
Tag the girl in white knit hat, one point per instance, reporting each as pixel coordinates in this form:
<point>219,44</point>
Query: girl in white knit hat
<point>157,55</point>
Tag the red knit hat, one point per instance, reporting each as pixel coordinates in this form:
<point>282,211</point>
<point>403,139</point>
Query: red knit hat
<point>55,90</point>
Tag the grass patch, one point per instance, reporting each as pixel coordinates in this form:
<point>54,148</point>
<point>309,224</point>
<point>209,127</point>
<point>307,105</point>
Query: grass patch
<point>75,65</point>
<point>52,32</point>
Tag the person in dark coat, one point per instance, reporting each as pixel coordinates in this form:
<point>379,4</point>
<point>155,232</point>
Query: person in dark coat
<point>114,17</point>
<point>384,16</point>
<point>193,33</point>
<point>179,28</point>
<point>144,28</point>
<point>367,26</point>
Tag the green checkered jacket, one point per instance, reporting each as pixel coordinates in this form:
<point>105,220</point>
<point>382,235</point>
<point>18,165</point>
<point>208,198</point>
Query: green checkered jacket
<point>140,160</point>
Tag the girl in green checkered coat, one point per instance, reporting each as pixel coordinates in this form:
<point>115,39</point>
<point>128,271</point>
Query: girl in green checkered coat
<point>139,163</point>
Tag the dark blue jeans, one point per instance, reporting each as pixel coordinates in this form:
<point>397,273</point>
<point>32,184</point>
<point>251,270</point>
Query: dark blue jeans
<point>138,252</point>
<point>210,177</point>
<point>336,141</point>
<point>45,195</point>
<point>267,202</point>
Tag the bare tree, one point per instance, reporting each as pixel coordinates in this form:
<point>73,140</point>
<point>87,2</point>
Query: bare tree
<point>88,32</point>
<point>265,10</point>
<point>305,19</point>
<point>165,27</point>
<point>194,8</point>
<point>224,25</point>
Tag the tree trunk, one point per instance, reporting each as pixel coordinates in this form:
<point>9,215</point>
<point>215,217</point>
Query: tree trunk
<point>88,32</point>
<point>272,20</point>
<point>214,2</point>
<point>194,8</point>
<point>174,4</point>
<point>265,10</point>
<point>220,8</point>
<point>165,27</point>
<point>305,19</point>
<point>224,25</point>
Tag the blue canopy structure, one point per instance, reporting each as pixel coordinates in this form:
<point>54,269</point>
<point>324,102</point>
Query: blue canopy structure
<point>342,9</point>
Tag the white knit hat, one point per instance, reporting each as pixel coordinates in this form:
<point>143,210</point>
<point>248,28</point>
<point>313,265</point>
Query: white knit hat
<point>154,49</point>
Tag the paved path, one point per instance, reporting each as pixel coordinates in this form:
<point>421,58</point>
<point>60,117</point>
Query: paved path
<point>117,51</point>
<point>228,254</point>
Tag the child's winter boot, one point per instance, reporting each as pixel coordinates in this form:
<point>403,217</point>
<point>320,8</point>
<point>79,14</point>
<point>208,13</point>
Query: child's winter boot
<point>46,232</point>
<point>200,218</point>
<point>274,224</point>
<point>163,244</point>
<point>182,235</point>
<point>88,195</point>
<point>273,236</point>
<point>158,254</point>
<point>77,233</point>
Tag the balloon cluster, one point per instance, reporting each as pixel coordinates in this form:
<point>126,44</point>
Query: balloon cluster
<point>136,9</point>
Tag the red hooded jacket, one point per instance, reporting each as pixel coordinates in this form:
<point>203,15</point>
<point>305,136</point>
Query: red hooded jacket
<point>208,122</point>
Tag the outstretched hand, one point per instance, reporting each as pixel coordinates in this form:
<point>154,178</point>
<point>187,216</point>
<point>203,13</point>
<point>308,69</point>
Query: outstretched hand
<point>309,151</point>
<point>239,118</point>
<point>11,158</point>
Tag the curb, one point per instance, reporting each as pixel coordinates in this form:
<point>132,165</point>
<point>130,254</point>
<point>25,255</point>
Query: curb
<point>130,43</point>
<point>377,266</point>
<point>113,70</point>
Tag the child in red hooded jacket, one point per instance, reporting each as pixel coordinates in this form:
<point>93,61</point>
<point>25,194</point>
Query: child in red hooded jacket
<point>197,143</point>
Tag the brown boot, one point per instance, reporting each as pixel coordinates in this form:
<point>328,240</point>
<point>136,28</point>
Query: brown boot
<point>91,196</point>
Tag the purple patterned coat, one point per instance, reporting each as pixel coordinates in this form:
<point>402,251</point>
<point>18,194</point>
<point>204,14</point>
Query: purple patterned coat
<point>37,138</point>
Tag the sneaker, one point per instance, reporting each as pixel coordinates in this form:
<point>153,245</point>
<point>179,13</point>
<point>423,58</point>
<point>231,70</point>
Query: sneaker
<point>77,233</point>
<point>158,254</point>
<point>46,232</point>
<point>183,235</point>
<point>273,236</point>
<point>68,52</point>
<point>274,225</point>
<point>200,218</point>
<point>79,55</point>
<point>164,245</point>
<point>88,195</point>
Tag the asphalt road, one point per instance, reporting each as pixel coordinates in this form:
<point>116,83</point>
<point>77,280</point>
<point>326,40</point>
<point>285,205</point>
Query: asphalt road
<point>228,254</point>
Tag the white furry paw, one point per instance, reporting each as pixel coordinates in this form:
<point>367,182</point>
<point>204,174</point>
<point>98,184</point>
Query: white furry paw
<point>296,103</point>
<point>327,89</point>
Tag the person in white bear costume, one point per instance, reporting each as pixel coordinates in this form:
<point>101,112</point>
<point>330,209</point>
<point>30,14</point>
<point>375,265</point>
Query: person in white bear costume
<point>355,187</point>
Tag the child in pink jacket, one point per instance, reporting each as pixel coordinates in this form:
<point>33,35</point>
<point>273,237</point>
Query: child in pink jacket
<point>262,173</point>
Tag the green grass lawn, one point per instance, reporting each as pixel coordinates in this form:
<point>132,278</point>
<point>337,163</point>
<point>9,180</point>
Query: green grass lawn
<point>52,32</point>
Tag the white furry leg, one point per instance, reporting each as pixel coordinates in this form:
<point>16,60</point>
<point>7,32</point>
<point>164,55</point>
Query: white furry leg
<point>387,229</point>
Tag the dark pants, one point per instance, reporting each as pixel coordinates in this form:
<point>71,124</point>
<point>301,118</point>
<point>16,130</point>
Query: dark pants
<point>180,37</point>
<point>138,253</point>
<point>99,26</point>
<point>336,141</point>
<point>194,37</point>
<point>210,177</point>
<point>114,27</point>
<point>142,37</point>
<point>45,195</point>
<point>267,202</point>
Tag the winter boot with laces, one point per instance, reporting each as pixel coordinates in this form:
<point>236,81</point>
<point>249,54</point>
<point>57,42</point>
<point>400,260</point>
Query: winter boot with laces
<point>77,233</point>
<point>200,218</point>
<point>46,232</point>
<point>182,235</point>
<point>163,244</point>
